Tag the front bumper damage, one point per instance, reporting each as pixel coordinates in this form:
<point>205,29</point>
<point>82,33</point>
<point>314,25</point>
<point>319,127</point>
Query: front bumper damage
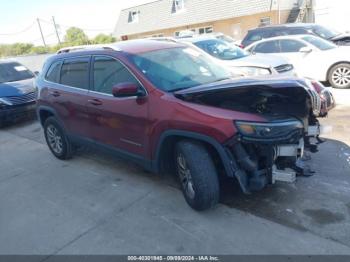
<point>259,163</point>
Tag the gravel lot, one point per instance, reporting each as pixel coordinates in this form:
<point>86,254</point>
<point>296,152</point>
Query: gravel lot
<point>97,204</point>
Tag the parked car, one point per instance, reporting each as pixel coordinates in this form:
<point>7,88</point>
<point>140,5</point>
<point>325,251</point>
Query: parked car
<point>17,92</point>
<point>311,56</point>
<point>261,33</point>
<point>241,62</point>
<point>169,107</point>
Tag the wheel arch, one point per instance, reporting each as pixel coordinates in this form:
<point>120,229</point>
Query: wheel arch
<point>44,112</point>
<point>165,150</point>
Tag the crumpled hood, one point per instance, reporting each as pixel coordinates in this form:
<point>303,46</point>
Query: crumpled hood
<point>256,60</point>
<point>271,82</point>
<point>17,88</point>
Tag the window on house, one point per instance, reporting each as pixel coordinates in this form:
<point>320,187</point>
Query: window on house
<point>158,35</point>
<point>178,5</point>
<point>264,21</point>
<point>205,30</point>
<point>133,17</point>
<point>177,34</point>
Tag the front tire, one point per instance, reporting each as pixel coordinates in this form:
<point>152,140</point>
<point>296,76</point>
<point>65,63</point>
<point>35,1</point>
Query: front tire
<point>197,174</point>
<point>339,76</point>
<point>57,140</point>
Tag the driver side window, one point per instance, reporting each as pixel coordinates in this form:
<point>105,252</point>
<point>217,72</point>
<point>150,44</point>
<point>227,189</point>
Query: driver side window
<point>109,72</point>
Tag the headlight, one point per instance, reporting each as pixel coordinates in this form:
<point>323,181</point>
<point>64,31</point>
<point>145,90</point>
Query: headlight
<point>251,71</point>
<point>268,130</point>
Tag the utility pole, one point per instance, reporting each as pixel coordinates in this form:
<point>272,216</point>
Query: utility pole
<point>41,31</point>
<point>55,25</point>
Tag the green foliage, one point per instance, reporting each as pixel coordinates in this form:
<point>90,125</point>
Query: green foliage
<point>74,36</point>
<point>15,49</point>
<point>103,39</point>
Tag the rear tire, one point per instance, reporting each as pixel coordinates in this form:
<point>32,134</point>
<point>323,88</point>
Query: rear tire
<point>339,76</point>
<point>197,174</point>
<point>57,140</point>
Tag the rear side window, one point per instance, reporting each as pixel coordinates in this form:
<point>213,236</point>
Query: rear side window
<point>109,72</point>
<point>75,72</point>
<point>53,74</point>
<point>291,46</point>
<point>267,47</point>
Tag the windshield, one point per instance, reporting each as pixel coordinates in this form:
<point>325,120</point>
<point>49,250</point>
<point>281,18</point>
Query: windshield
<point>10,72</point>
<point>324,32</point>
<point>319,43</point>
<point>221,50</point>
<point>178,68</point>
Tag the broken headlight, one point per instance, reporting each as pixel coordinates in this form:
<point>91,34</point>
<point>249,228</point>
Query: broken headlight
<point>268,130</point>
<point>251,71</point>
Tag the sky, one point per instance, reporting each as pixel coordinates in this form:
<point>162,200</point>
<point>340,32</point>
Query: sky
<point>18,18</point>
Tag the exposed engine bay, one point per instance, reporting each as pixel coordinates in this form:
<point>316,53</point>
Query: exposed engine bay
<point>266,152</point>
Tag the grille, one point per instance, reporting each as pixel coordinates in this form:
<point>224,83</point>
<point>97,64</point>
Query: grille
<point>284,68</point>
<point>23,99</point>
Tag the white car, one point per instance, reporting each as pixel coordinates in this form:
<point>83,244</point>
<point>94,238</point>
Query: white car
<point>311,56</point>
<point>240,62</point>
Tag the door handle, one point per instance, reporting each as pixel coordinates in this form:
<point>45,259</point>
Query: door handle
<point>55,93</point>
<point>95,102</point>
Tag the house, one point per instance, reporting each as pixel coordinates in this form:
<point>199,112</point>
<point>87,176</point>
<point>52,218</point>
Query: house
<point>231,17</point>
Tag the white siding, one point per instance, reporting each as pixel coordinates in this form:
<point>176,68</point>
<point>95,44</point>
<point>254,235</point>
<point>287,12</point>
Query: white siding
<point>157,15</point>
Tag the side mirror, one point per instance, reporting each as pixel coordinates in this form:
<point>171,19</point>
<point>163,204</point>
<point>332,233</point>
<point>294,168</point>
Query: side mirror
<point>127,89</point>
<point>305,49</point>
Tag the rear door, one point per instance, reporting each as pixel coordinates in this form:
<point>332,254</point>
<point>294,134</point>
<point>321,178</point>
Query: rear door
<point>118,122</point>
<point>72,95</point>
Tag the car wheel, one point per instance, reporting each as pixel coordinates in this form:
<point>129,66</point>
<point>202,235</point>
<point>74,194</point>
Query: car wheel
<point>197,174</point>
<point>56,139</point>
<point>339,76</point>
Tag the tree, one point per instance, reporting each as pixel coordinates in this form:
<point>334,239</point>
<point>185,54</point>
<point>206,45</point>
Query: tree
<point>15,49</point>
<point>103,39</point>
<point>76,36</point>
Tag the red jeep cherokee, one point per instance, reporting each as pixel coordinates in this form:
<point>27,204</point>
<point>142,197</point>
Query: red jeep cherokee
<point>170,107</point>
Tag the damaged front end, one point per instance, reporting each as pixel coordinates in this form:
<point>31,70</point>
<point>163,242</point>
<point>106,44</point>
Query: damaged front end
<point>270,150</point>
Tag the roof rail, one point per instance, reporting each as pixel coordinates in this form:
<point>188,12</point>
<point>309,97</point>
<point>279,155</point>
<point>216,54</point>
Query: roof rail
<point>163,38</point>
<point>88,47</point>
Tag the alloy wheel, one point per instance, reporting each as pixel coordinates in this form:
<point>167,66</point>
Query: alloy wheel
<point>341,76</point>
<point>55,139</point>
<point>185,176</point>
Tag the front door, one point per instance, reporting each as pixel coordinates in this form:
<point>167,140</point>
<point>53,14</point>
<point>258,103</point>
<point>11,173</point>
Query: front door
<point>118,122</point>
